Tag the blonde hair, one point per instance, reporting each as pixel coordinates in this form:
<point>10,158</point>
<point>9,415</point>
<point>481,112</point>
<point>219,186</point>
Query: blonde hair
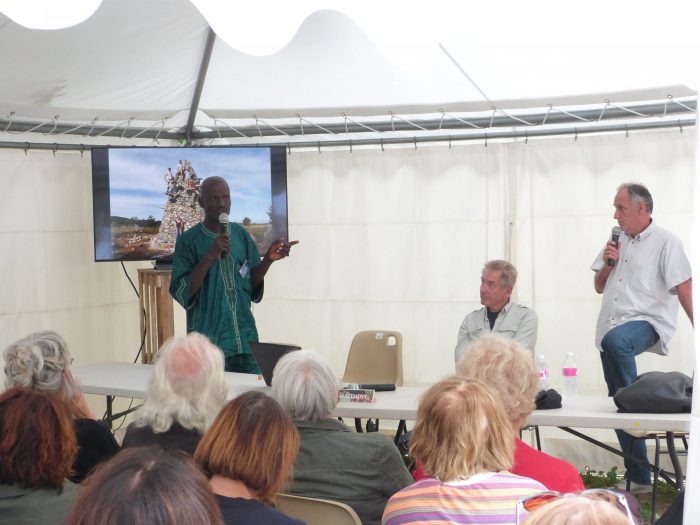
<point>188,385</point>
<point>462,430</point>
<point>506,366</point>
<point>578,510</point>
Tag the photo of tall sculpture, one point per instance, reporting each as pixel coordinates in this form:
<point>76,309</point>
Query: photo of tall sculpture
<point>154,195</point>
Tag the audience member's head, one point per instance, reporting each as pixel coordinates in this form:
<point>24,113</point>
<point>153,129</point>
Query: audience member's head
<point>462,430</point>
<point>252,441</point>
<point>579,510</point>
<point>37,440</point>
<point>41,361</point>
<point>304,384</point>
<point>145,485</point>
<point>188,385</point>
<point>507,367</point>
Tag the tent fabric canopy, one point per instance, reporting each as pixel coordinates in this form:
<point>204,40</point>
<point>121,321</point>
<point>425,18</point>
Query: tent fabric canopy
<point>131,70</point>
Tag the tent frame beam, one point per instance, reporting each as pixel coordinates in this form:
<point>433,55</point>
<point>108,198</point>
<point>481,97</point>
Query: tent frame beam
<point>199,86</point>
<point>484,136</point>
<point>653,113</point>
<point>447,122</point>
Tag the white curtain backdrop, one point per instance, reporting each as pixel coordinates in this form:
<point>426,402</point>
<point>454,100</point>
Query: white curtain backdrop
<point>564,191</point>
<point>48,279</point>
<point>396,240</point>
<point>389,240</point>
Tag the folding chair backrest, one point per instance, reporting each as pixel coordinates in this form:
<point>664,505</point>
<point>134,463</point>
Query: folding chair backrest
<point>315,511</point>
<point>375,357</point>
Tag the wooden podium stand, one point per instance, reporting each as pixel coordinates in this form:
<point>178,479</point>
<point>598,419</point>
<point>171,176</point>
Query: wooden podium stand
<point>154,299</point>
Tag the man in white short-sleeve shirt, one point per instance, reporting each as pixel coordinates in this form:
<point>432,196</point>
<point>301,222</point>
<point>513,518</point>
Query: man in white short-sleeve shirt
<point>499,315</point>
<point>639,278</point>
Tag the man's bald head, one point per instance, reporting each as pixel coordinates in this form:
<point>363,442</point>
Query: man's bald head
<point>215,199</point>
<point>209,183</point>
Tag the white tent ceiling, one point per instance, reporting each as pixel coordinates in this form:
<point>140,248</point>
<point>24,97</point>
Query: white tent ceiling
<point>131,68</point>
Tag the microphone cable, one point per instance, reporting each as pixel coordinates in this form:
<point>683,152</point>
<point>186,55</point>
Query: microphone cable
<point>138,354</point>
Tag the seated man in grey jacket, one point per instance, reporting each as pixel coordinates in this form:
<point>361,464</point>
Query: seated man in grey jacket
<point>361,470</point>
<point>499,314</point>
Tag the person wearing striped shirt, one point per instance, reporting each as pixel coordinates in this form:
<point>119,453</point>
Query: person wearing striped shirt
<point>464,441</point>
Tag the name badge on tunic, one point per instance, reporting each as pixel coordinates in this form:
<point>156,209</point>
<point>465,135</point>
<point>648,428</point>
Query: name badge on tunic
<point>244,270</point>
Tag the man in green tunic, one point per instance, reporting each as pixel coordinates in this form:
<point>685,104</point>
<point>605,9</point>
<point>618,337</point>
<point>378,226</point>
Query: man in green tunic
<point>217,272</point>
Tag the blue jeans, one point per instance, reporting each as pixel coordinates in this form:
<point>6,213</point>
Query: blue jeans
<point>620,347</point>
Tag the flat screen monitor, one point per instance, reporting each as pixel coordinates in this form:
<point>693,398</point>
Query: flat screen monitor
<point>143,198</point>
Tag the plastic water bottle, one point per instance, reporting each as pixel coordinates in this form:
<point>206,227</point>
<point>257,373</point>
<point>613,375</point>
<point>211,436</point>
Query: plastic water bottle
<point>569,371</point>
<point>542,371</point>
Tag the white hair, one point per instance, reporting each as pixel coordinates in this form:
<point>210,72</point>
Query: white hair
<point>40,361</point>
<point>305,385</point>
<point>188,385</point>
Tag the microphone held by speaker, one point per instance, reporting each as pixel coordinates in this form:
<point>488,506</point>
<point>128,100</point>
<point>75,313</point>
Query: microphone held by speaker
<point>223,221</point>
<point>614,237</point>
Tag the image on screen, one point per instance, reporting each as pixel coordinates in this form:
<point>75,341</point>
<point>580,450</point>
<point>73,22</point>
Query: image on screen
<point>144,198</point>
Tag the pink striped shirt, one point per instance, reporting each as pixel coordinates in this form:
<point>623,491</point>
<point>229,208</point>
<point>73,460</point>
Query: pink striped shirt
<point>484,499</point>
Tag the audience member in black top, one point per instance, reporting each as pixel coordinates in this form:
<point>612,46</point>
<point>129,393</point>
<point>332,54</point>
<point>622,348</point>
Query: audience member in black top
<point>176,437</point>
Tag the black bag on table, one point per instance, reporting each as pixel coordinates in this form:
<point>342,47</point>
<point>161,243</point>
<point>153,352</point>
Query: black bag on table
<point>656,393</point>
<point>547,399</point>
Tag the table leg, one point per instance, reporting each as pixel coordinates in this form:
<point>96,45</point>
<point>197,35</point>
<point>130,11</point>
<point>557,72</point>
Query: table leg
<point>110,399</point>
<point>671,444</point>
<point>617,452</point>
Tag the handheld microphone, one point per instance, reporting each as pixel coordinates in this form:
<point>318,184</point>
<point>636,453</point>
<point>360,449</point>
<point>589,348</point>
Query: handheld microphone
<point>614,237</point>
<point>223,221</point>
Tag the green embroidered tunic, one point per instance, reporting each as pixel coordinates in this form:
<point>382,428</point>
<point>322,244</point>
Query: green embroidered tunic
<point>221,308</point>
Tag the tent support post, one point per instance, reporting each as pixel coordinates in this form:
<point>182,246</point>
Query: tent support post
<point>203,67</point>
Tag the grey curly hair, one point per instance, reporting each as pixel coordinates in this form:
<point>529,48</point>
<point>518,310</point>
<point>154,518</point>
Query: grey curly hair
<point>40,361</point>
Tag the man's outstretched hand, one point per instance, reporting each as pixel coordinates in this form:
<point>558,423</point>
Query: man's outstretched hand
<point>279,249</point>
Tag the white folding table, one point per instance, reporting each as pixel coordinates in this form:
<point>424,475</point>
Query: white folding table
<point>131,380</point>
